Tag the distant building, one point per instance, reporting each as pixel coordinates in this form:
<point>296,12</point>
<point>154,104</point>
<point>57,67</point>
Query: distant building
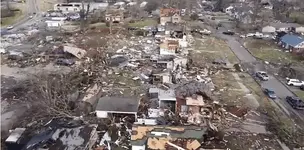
<point>76,7</point>
<point>68,7</point>
<point>268,29</point>
<point>114,15</point>
<point>169,15</point>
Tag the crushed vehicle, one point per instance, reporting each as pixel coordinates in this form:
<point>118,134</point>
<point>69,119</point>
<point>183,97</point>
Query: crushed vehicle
<point>302,87</point>
<point>9,27</point>
<point>65,62</point>
<point>270,93</point>
<point>294,82</point>
<point>262,75</point>
<point>228,32</point>
<point>295,102</point>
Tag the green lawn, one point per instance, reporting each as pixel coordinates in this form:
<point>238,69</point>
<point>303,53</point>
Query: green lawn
<point>143,23</point>
<point>300,94</point>
<point>11,20</point>
<point>269,51</point>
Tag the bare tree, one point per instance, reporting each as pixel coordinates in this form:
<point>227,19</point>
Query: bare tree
<point>52,95</point>
<point>8,5</point>
<point>84,13</point>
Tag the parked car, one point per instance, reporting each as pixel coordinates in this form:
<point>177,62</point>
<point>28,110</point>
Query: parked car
<point>295,102</point>
<point>9,27</point>
<point>228,32</point>
<point>294,82</point>
<point>302,87</point>
<point>65,62</point>
<point>262,75</point>
<point>270,93</point>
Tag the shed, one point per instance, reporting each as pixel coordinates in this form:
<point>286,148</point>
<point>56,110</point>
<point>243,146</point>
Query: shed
<point>116,105</point>
<point>268,29</point>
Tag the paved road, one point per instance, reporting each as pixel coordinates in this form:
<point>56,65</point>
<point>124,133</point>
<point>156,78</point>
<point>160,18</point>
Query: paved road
<point>33,10</point>
<point>253,65</point>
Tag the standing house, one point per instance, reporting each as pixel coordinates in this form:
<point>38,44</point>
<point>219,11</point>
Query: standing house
<point>169,15</point>
<point>69,7</point>
<point>116,106</point>
<point>293,43</point>
<point>268,29</point>
<point>285,27</point>
<point>114,15</point>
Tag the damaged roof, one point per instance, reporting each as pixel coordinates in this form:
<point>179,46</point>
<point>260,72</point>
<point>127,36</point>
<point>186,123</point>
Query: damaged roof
<point>166,12</point>
<point>77,52</point>
<point>117,104</point>
<point>156,137</point>
<point>174,27</point>
<point>63,138</point>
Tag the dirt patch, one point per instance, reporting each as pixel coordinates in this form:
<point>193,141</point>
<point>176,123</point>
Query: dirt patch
<point>241,141</point>
<point>207,49</point>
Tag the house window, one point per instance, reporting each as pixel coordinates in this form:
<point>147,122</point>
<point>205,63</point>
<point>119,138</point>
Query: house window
<point>75,9</point>
<point>175,19</point>
<point>67,9</point>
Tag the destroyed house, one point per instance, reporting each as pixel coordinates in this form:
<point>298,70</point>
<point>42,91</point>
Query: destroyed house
<point>77,137</point>
<point>168,47</point>
<point>16,139</point>
<point>161,77</point>
<point>198,109</point>
<point>169,15</point>
<point>117,106</point>
<point>166,98</point>
<point>164,137</point>
<point>174,30</point>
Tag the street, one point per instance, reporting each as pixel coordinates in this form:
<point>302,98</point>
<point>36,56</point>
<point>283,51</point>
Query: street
<point>33,10</point>
<point>252,65</point>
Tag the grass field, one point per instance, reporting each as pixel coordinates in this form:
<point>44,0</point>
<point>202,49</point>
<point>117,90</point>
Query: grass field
<point>269,51</point>
<point>11,20</point>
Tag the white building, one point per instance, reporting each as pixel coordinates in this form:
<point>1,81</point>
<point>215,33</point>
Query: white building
<point>54,23</point>
<point>116,105</point>
<point>76,7</point>
<point>68,7</point>
<point>268,29</point>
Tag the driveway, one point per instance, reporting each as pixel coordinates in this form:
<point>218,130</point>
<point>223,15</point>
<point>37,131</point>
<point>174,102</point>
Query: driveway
<point>252,65</point>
